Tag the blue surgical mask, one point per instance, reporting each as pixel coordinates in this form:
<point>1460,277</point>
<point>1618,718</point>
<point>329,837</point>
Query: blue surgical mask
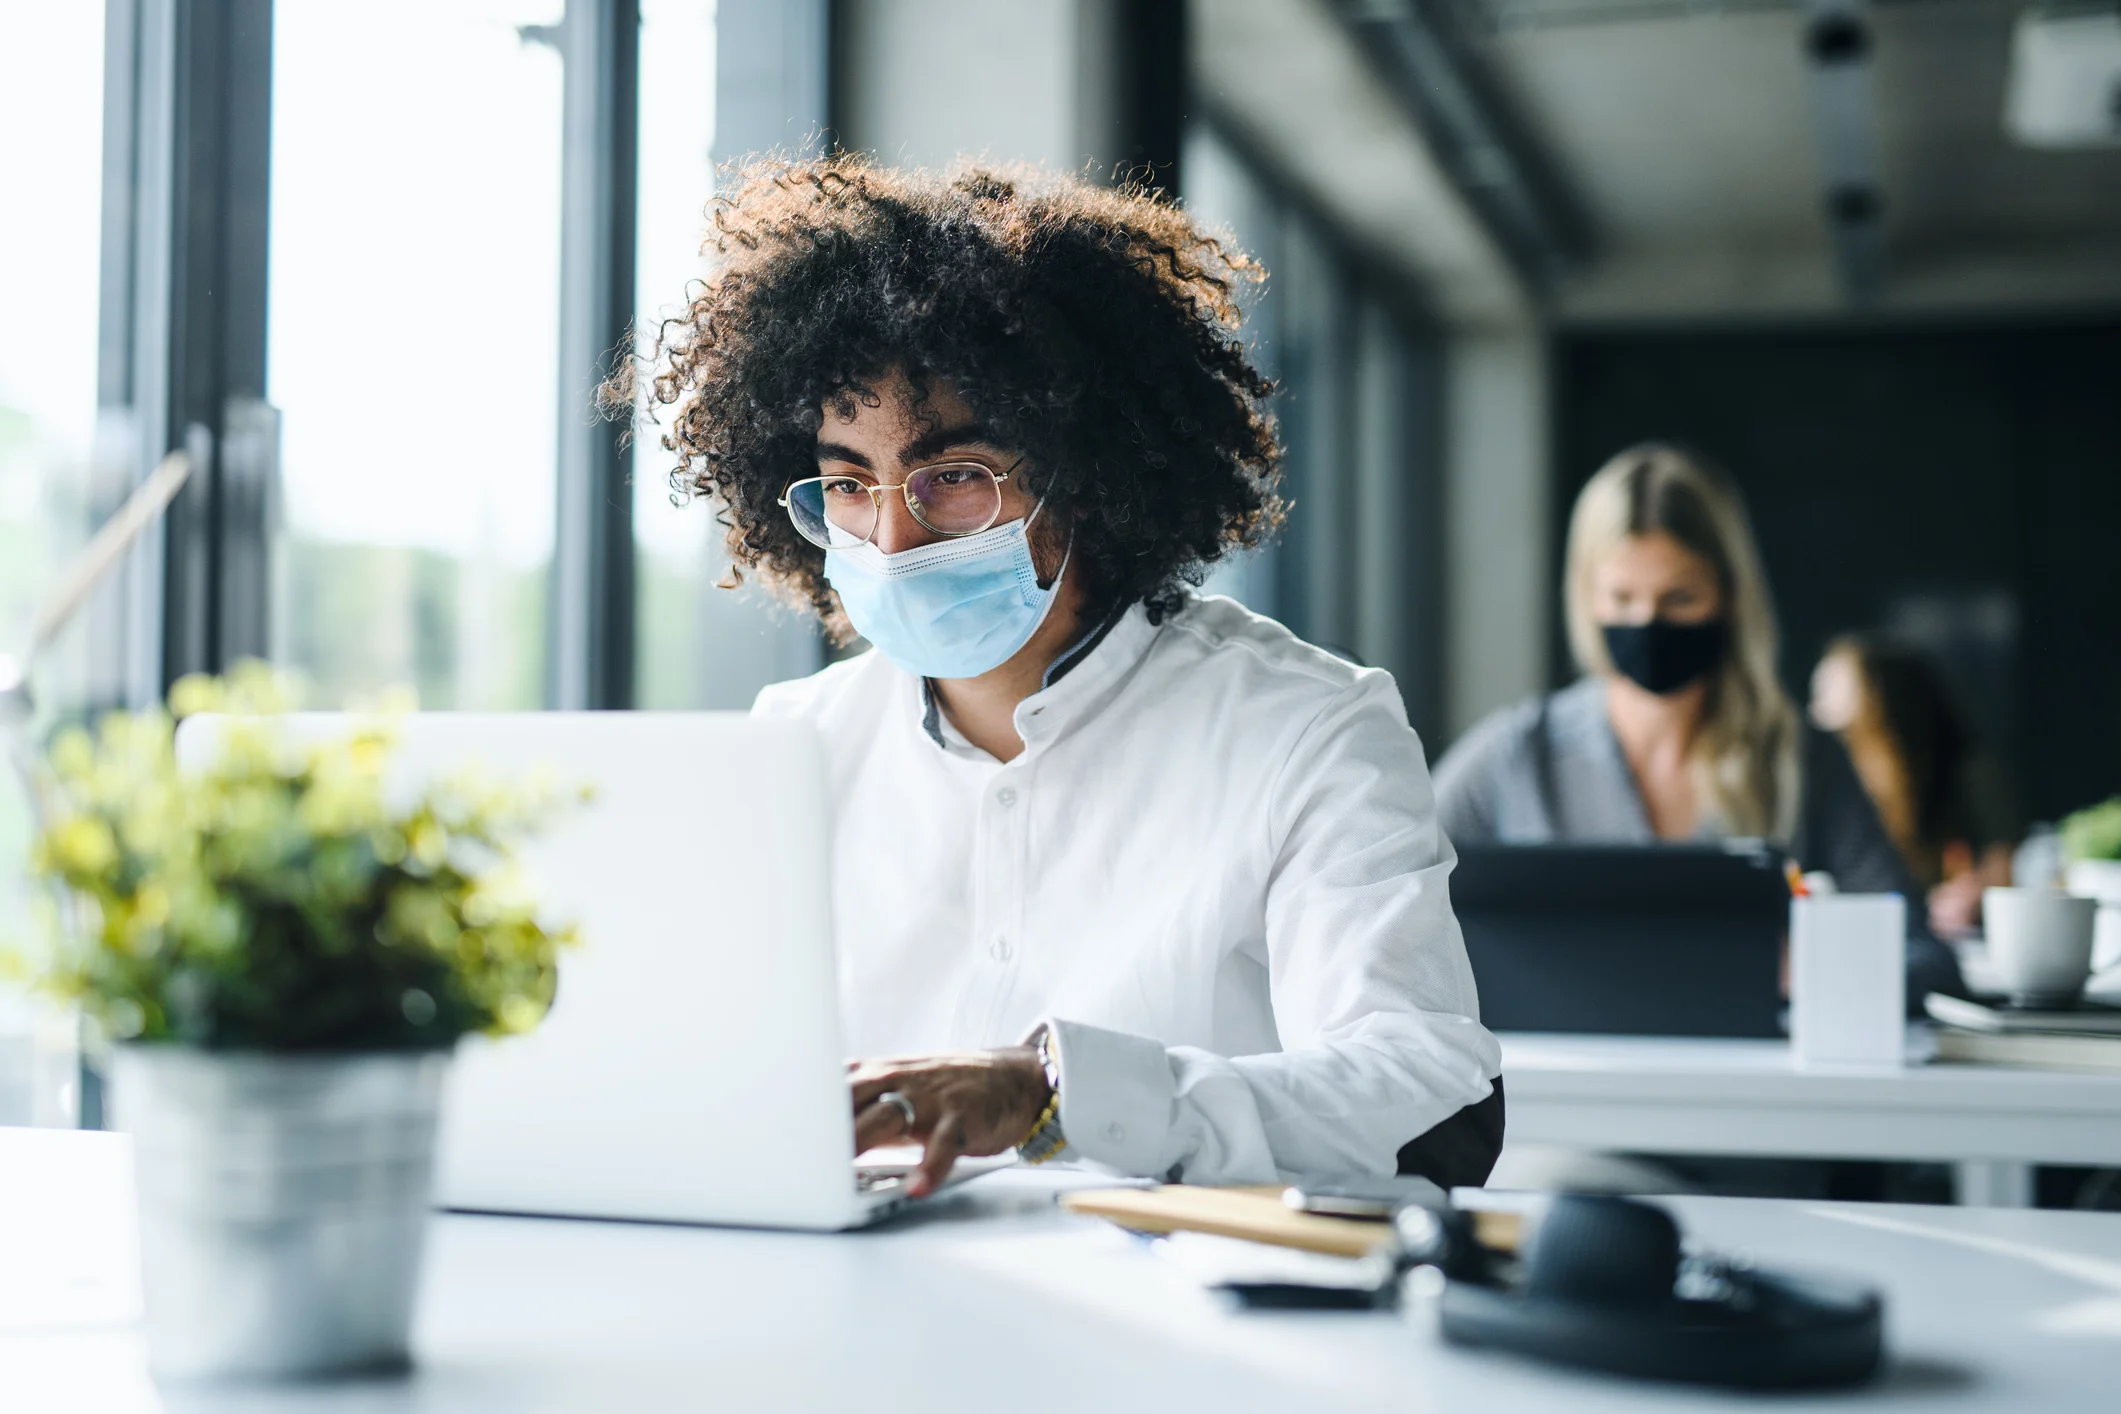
<point>954,609</point>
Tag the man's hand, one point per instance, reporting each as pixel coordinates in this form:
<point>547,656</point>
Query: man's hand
<point>975,1102</point>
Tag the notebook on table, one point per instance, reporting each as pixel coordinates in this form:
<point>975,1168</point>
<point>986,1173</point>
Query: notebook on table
<point>2086,1037</point>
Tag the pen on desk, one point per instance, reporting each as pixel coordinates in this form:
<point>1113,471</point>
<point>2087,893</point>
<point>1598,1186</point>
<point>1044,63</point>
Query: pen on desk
<point>1798,888</point>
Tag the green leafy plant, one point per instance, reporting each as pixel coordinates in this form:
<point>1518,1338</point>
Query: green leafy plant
<point>2093,833</point>
<point>277,898</point>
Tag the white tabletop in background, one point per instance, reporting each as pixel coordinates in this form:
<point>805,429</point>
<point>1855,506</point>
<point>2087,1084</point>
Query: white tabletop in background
<point>994,1299</point>
<point>1678,1095</point>
<point>1674,1095</point>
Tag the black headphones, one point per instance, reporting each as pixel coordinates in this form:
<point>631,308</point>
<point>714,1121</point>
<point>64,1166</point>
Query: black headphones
<point>1603,1285</point>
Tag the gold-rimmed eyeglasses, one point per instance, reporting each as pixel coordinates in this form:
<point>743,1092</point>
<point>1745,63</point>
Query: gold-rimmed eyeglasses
<point>949,498</point>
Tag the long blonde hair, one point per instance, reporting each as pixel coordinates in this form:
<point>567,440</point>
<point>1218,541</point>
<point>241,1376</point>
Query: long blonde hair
<point>1745,756</point>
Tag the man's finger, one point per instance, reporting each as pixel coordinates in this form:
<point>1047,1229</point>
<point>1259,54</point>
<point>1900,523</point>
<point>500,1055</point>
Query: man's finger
<point>867,1087</point>
<point>946,1141</point>
<point>877,1124</point>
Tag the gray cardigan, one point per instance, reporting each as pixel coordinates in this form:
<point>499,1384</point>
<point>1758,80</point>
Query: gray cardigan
<point>1492,788</point>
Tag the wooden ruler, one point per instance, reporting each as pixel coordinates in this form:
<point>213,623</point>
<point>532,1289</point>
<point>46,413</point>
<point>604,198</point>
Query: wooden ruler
<point>1259,1215</point>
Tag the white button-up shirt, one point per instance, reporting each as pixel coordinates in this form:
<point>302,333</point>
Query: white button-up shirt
<point>1215,871</point>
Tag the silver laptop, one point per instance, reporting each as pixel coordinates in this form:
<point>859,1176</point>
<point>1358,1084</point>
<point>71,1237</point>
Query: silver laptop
<point>690,1069</point>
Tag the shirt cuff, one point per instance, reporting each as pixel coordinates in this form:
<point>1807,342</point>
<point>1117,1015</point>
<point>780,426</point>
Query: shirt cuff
<point>1116,1094</point>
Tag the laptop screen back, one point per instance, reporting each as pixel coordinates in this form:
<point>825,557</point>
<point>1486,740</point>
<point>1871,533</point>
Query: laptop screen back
<point>1667,940</point>
<point>690,1068</point>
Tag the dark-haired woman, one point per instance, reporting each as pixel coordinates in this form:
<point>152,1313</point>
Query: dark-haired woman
<point>1943,800</point>
<point>1120,873</point>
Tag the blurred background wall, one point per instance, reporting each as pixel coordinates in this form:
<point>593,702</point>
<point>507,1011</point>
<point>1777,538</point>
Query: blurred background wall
<point>1955,485</point>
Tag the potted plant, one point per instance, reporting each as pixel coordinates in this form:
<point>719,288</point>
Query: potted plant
<point>283,954</point>
<point>2091,843</point>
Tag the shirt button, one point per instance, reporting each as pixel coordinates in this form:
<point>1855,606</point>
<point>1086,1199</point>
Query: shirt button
<point>1115,1131</point>
<point>1006,796</point>
<point>999,948</point>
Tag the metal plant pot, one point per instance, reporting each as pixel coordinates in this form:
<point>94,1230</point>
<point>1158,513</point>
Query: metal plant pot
<point>283,1202</point>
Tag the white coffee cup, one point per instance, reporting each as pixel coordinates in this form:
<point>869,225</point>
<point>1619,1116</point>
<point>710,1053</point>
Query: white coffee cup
<point>2039,943</point>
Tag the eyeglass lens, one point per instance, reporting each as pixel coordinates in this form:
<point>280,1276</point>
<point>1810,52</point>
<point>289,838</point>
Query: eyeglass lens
<point>955,498</point>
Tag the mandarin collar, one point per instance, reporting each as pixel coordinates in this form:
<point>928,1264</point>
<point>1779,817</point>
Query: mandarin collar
<point>1089,683</point>
<point>1081,680</point>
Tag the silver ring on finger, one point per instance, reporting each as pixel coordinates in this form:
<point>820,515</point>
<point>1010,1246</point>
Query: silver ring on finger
<point>903,1105</point>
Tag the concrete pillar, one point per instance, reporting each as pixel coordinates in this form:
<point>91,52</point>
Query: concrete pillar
<point>1499,607</point>
<point>924,82</point>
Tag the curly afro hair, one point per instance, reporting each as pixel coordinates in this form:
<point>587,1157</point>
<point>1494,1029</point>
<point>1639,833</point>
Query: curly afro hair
<point>1092,330</point>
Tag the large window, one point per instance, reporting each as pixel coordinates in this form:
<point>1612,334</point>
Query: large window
<point>412,343</point>
<point>414,355</point>
<point>51,85</point>
<point>374,341</point>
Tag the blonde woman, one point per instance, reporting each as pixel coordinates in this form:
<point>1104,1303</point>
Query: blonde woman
<point>1679,728</point>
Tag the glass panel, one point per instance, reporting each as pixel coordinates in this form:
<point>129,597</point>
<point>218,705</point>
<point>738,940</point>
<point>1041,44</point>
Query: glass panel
<point>51,166</point>
<point>696,645</point>
<point>413,344</point>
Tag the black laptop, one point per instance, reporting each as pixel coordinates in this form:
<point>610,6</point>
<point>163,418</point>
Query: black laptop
<point>1654,940</point>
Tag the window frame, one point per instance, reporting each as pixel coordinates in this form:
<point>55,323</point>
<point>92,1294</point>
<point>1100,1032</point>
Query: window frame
<point>187,98</point>
<point>182,325</point>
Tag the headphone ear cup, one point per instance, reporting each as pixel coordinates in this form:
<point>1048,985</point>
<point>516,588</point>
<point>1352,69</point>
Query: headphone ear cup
<point>1598,1292</point>
<point>1604,1251</point>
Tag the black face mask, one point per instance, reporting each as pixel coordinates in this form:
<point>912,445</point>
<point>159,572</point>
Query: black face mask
<point>1663,657</point>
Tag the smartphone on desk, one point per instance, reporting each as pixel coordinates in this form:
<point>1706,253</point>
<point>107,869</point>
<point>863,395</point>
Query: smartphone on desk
<point>1370,1199</point>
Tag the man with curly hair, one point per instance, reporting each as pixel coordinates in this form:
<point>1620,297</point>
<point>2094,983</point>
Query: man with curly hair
<point>1120,872</point>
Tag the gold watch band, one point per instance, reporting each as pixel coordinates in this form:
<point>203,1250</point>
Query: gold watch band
<point>1045,1138</point>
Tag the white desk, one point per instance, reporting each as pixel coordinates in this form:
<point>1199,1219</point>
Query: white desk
<point>1659,1095</point>
<point>995,1300</point>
